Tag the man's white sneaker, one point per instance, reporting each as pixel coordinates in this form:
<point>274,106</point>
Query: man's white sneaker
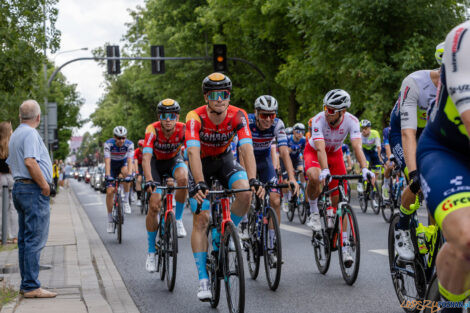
<point>133,196</point>
<point>138,202</point>
<point>127,208</point>
<point>204,292</point>
<point>285,206</point>
<point>403,244</point>
<point>347,258</point>
<point>150,265</point>
<point>314,222</point>
<point>374,203</point>
<point>110,227</point>
<point>181,232</point>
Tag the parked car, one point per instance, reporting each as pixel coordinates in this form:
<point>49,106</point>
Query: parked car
<point>81,173</point>
<point>88,174</point>
<point>75,173</point>
<point>96,178</point>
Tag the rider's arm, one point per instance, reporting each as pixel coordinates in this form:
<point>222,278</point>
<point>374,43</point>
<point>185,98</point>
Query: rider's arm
<point>107,166</point>
<point>408,139</point>
<point>357,147</point>
<point>146,158</point>
<point>195,164</point>
<point>246,152</point>
<point>107,158</point>
<point>284,153</point>
<point>147,152</point>
<point>274,156</point>
<point>193,145</point>
<point>349,161</point>
<point>388,151</point>
<point>321,153</point>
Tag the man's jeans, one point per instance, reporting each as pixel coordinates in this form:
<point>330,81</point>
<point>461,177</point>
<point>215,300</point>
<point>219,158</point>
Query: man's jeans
<point>33,221</point>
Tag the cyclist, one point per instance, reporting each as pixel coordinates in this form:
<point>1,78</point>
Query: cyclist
<point>408,119</point>
<point>265,128</point>
<point>139,171</point>
<point>387,157</point>
<point>118,155</point>
<point>347,157</point>
<point>163,141</point>
<point>210,129</point>
<point>444,164</point>
<point>372,150</point>
<point>323,154</point>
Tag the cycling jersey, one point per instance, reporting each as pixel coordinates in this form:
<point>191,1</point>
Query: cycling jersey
<point>234,147</point>
<point>443,153</point>
<point>333,137</point>
<point>138,155</point>
<point>386,141</point>
<point>346,152</point>
<point>213,139</point>
<point>372,141</point>
<point>297,147</point>
<point>161,147</point>
<point>118,154</point>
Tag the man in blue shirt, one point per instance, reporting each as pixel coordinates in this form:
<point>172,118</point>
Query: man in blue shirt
<point>31,169</point>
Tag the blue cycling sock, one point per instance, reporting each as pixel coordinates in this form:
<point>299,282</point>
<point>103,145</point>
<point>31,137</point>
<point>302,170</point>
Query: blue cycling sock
<point>151,235</point>
<point>179,210</point>
<point>200,258</point>
<point>235,218</point>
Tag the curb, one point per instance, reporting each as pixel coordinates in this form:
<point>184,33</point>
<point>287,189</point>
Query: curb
<point>11,306</point>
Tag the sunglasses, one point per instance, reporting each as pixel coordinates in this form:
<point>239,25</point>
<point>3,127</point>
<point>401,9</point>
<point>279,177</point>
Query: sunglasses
<point>330,111</point>
<point>265,116</point>
<point>222,94</point>
<point>299,131</point>
<point>165,116</point>
<point>121,138</point>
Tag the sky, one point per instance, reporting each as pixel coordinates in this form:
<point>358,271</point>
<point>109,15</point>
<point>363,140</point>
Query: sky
<point>89,23</point>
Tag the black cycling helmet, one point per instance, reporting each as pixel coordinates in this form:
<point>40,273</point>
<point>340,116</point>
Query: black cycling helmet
<point>168,106</point>
<point>216,81</point>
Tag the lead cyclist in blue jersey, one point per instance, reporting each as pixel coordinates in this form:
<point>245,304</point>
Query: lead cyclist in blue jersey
<point>265,128</point>
<point>118,155</point>
<point>444,164</point>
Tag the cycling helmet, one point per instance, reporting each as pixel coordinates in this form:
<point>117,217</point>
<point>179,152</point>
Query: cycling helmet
<point>439,52</point>
<point>289,131</point>
<point>140,142</point>
<point>266,103</point>
<point>299,126</point>
<point>120,131</point>
<point>366,123</point>
<point>168,106</point>
<point>216,81</point>
<point>338,99</point>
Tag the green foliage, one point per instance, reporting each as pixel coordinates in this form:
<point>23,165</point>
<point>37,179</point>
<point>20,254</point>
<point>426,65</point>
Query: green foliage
<point>304,48</point>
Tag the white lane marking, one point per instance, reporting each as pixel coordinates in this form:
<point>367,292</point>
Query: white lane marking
<point>94,203</point>
<point>380,251</point>
<point>297,230</point>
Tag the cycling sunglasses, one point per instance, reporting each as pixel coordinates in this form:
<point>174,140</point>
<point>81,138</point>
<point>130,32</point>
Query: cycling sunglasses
<point>298,131</point>
<point>264,116</point>
<point>330,111</point>
<point>120,138</point>
<point>215,95</point>
<point>164,116</point>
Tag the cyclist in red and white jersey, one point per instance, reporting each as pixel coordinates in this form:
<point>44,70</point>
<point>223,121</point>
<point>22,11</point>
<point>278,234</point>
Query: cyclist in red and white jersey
<point>323,155</point>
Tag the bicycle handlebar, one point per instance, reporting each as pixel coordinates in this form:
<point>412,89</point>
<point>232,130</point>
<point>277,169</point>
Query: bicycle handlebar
<point>224,192</point>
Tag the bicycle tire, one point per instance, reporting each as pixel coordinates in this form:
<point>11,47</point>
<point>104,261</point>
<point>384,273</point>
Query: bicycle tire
<point>118,220</point>
<point>303,204</point>
<point>291,210</point>
<point>161,253</point>
<point>362,200</point>
<point>432,293</point>
<point>231,233</point>
<point>349,191</point>
<point>252,247</point>
<point>272,278</point>
<point>387,211</point>
<point>322,246</point>
<point>355,246</point>
<point>171,250</point>
<point>212,269</point>
<point>378,199</point>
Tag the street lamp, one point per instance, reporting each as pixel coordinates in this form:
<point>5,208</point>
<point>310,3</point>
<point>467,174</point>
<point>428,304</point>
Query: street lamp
<point>67,51</point>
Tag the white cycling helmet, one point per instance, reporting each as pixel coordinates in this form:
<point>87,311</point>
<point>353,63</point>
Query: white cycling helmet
<point>338,99</point>
<point>266,103</point>
<point>120,131</point>
<point>366,123</point>
<point>439,52</point>
<point>299,126</point>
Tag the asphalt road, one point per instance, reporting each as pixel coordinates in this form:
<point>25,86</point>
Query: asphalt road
<point>302,287</point>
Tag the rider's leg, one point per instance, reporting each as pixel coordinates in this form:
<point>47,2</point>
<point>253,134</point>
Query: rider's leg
<point>180,173</point>
<point>127,186</point>
<point>313,188</point>
<point>407,199</point>
<point>138,186</point>
<point>199,237</point>
<point>109,202</point>
<point>151,220</point>
<point>241,205</point>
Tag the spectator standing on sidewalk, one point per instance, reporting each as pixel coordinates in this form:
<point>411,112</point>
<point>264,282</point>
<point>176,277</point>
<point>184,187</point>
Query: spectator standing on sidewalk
<point>55,173</point>
<point>31,168</point>
<point>7,180</point>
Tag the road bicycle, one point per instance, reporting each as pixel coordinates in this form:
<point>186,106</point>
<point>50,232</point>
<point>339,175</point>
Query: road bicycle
<point>224,256</point>
<point>261,219</point>
<point>369,193</point>
<point>299,203</point>
<point>118,211</point>
<point>329,238</point>
<point>396,187</point>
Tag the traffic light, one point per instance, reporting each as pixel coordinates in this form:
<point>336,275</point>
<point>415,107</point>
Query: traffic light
<point>220,58</point>
<point>158,67</point>
<point>114,66</point>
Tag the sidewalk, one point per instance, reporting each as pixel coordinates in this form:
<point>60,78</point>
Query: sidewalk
<point>74,263</point>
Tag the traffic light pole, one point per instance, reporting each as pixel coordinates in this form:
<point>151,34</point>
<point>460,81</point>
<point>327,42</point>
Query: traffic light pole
<point>57,70</point>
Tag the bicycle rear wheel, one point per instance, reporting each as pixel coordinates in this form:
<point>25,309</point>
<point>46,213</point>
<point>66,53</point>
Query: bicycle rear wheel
<point>302,205</point>
<point>378,199</point>
<point>233,272</point>
<point>171,250</point>
<point>252,246</point>
<point>272,252</point>
<point>212,268</point>
<point>161,250</point>
<point>321,245</point>
<point>291,209</point>
<point>362,200</point>
<point>350,273</point>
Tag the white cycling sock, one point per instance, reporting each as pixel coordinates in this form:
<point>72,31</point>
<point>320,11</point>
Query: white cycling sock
<point>126,196</point>
<point>245,218</point>
<point>386,182</point>
<point>313,205</point>
<point>271,238</point>
<point>110,217</point>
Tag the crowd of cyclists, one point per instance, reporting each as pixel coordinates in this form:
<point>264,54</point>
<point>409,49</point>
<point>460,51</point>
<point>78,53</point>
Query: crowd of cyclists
<point>427,140</point>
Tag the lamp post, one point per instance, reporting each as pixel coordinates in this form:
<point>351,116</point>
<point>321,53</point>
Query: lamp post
<point>68,51</point>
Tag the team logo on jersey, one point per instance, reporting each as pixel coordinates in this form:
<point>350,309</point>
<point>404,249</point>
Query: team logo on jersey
<point>459,33</point>
<point>316,130</point>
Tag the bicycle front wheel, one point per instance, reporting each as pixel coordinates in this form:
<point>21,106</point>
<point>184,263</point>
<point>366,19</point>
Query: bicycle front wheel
<point>252,246</point>
<point>233,272</point>
<point>118,220</point>
<point>303,205</point>
<point>378,199</point>
<point>350,265</point>
<point>321,245</point>
<point>212,265</point>
<point>171,250</point>
<point>272,249</point>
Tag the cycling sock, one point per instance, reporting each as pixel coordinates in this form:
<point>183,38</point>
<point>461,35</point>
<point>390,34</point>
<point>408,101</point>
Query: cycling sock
<point>245,218</point>
<point>386,182</point>
<point>403,222</point>
<point>201,258</point>
<point>126,196</point>
<point>139,194</point>
<point>235,219</point>
<point>271,238</point>
<point>110,217</point>
<point>151,235</point>
<point>345,236</point>
<point>179,210</point>
<point>313,206</point>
